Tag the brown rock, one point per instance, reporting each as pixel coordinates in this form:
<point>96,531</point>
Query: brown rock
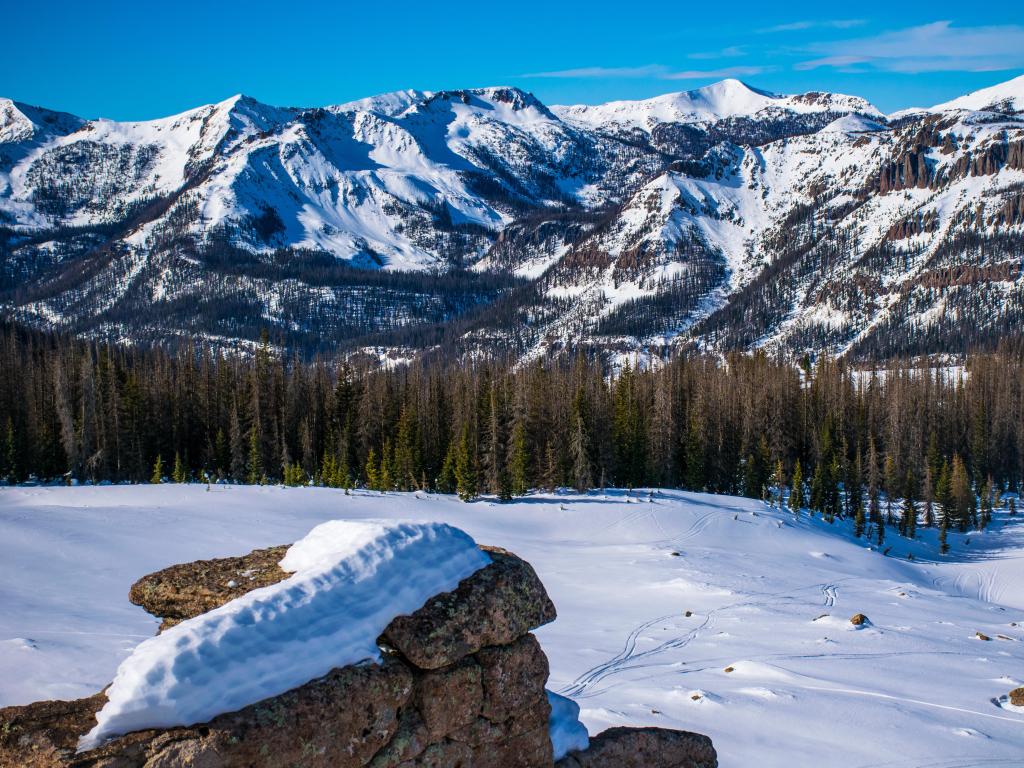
<point>494,606</point>
<point>859,619</point>
<point>450,698</point>
<point>644,748</point>
<point>1017,697</point>
<point>982,636</point>
<point>184,591</point>
<point>336,721</point>
<point>513,678</point>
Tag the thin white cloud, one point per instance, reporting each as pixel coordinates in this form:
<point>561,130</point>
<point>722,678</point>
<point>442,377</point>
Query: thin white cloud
<point>649,70</point>
<point>700,74</point>
<point>935,47</point>
<point>655,71</point>
<point>725,53</point>
<point>796,26</point>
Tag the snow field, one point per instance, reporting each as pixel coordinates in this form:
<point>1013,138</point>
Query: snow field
<point>658,595</point>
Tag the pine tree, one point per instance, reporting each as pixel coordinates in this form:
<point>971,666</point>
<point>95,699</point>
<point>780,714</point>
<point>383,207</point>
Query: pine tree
<point>944,491</point>
<point>446,482</point>
<point>551,473</point>
<point>964,506</point>
<point>1013,506</point>
<point>158,471</point>
<point>943,534</point>
<point>987,503</point>
<point>466,477</point>
<point>854,486</point>
<point>180,474</point>
<point>778,483</point>
<point>874,502</point>
<point>928,496</point>
<point>694,450</point>
<point>859,519</point>
<point>9,469</point>
<point>908,517</point>
<point>254,464</point>
<point>238,469</point>
<point>796,494</point>
<point>519,462</point>
<point>387,475</point>
<point>578,448</point>
<point>372,471</point>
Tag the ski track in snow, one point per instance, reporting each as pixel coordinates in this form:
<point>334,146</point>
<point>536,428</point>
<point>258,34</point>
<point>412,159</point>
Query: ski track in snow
<point>770,596</point>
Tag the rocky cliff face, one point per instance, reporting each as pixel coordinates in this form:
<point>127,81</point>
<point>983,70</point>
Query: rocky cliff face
<point>461,684</point>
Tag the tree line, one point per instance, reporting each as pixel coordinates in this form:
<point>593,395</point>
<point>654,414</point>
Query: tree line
<point>843,442</point>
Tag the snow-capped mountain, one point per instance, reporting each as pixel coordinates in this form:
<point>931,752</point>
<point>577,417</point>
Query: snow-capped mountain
<point>725,217</point>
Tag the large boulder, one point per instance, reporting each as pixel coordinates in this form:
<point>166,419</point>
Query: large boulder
<point>644,748</point>
<point>461,683</point>
<point>494,606</point>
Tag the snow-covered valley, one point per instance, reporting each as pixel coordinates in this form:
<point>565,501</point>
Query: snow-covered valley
<point>709,613</point>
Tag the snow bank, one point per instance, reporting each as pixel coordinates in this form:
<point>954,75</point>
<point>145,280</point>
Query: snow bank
<point>351,579</point>
<point>567,732</point>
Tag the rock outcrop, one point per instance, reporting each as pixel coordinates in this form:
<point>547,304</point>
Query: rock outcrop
<point>461,683</point>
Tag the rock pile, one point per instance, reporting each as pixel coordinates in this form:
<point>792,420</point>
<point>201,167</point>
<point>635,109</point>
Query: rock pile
<point>461,684</point>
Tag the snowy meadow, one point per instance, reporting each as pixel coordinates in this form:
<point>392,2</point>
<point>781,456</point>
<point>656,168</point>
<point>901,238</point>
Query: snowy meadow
<point>710,613</point>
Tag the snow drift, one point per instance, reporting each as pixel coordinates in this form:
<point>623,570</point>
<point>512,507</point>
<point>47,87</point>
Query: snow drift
<point>350,580</point>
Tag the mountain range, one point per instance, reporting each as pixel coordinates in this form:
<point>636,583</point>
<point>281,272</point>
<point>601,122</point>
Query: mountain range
<point>724,218</point>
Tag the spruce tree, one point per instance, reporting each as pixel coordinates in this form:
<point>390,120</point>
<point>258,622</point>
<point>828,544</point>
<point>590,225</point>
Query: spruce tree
<point>466,478</point>
<point>180,474</point>
<point>962,495</point>
<point>796,494</point>
<point>158,471</point>
<point>943,534</point>
<point>238,470</point>
<point>582,477</point>
<point>987,503</point>
<point>908,517</point>
<point>928,496</point>
<point>254,463</point>
<point>519,461</point>
<point>446,482</point>
<point>696,479</point>
<point>778,483</point>
<point>9,470</point>
<point>372,471</point>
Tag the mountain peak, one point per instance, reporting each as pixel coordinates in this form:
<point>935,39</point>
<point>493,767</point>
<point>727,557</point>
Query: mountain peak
<point>1003,97</point>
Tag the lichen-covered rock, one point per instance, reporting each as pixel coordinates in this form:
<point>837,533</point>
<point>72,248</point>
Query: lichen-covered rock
<point>644,748</point>
<point>494,606</point>
<point>1017,697</point>
<point>183,591</point>
<point>337,721</point>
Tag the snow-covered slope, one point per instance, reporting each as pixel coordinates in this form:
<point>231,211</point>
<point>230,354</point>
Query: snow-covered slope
<point>1004,97</point>
<point>709,613</point>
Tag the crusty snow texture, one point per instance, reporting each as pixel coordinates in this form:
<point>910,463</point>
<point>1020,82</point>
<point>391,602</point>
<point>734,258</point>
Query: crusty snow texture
<point>350,580</point>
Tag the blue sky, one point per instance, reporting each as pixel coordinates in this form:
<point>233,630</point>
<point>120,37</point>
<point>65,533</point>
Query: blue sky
<point>141,60</point>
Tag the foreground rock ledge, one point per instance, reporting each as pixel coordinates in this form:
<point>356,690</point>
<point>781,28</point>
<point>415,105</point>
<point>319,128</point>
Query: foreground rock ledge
<point>461,684</point>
